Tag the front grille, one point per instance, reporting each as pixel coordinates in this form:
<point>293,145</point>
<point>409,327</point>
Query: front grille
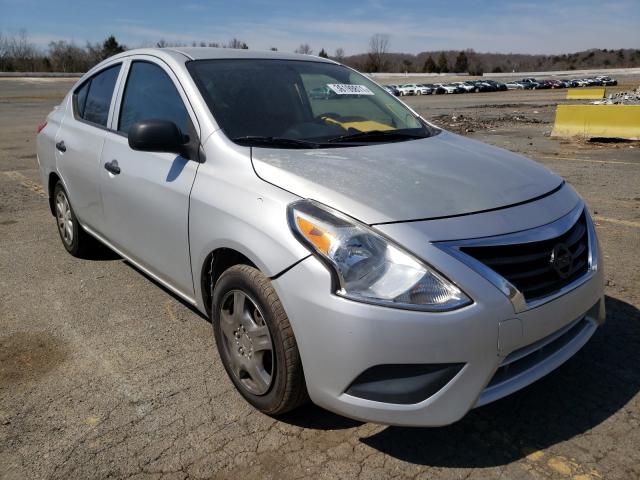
<point>529,267</point>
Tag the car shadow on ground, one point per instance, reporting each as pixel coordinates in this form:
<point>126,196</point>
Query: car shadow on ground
<point>316,418</point>
<point>175,296</point>
<point>99,252</point>
<point>591,387</point>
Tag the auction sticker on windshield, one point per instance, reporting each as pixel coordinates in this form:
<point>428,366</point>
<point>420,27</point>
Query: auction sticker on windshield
<point>347,89</point>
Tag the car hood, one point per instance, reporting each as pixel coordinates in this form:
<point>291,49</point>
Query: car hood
<point>440,176</point>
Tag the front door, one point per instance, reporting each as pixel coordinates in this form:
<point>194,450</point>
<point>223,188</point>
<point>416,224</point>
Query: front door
<point>146,204</point>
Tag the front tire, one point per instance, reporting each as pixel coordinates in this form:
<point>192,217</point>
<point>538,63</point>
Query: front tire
<point>256,342</point>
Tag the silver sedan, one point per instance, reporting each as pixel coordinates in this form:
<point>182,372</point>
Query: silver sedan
<point>346,250</point>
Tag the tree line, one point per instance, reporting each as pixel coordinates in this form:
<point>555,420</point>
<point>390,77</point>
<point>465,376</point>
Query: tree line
<point>19,54</point>
<point>380,59</point>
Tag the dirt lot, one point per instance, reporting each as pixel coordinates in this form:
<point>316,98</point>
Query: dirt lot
<point>105,374</point>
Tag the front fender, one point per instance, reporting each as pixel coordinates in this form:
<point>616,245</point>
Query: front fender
<point>231,207</point>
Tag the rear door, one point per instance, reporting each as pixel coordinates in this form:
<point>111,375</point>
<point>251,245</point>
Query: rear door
<point>80,140</point>
<point>146,205</point>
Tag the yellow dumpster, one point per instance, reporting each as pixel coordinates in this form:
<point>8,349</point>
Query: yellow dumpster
<point>585,94</point>
<point>597,121</point>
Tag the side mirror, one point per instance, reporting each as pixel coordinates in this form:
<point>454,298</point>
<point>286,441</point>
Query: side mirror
<point>157,136</point>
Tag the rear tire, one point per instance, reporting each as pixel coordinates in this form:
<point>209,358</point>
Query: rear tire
<point>74,238</point>
<point>256,342</point>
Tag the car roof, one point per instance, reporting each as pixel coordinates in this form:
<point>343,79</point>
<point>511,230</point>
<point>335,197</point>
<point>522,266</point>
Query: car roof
<point>209,53</point>
<point>182,54</point>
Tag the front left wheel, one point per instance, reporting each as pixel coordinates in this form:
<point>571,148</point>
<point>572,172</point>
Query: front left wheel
<point>256,342</point>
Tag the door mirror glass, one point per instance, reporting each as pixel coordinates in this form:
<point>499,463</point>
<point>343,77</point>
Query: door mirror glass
<point>157,136</point>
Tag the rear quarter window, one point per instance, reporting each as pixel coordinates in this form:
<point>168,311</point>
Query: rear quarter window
<point>93,98</point>
<point>81,98</point>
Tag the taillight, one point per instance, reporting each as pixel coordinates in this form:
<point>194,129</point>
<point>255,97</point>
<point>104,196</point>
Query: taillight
<point>41,126</point>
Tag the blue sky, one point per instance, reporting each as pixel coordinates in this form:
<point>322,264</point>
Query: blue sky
<point>412,25</point>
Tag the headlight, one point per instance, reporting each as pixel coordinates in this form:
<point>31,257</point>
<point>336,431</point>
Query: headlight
<point>367,266</point>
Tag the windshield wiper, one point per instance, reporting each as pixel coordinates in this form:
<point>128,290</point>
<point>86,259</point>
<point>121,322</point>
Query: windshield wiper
<point>275,141</point>
<point>375,135</point>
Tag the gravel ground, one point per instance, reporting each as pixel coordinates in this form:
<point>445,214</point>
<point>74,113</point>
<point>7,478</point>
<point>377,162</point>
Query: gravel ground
<point>105,374</point>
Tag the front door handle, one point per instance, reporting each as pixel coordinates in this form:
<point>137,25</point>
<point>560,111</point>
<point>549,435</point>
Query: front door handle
<point>61,146</point>
<point>112,167</point>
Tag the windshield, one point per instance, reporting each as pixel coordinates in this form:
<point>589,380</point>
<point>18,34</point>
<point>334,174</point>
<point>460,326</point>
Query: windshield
<point>301,104</point>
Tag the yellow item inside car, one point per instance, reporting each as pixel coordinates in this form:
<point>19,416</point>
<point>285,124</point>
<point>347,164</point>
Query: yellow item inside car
<point>363,126</point>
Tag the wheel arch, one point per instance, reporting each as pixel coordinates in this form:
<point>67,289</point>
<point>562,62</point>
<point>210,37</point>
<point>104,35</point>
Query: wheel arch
<point>214,265</point>
<point>51,185</point>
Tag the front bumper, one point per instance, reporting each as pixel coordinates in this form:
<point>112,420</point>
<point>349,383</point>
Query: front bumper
<point>340,339</point>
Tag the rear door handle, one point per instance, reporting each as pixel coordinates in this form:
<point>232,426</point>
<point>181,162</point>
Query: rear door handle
<point>61,146</point>
<point>112,167</point>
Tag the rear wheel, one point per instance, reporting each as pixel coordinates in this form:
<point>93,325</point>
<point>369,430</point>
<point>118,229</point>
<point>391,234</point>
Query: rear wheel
<point>75,240</point>
<point>256,342</point>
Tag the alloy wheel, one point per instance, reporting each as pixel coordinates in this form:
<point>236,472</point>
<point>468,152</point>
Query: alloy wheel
<point>64,218</point>
<point>247,342</point>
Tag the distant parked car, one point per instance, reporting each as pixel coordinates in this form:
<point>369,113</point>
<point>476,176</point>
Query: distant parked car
<point>466,86</point>
<point>608,81</point>
<point>406,90</point>
<point>471,85</point>
<point>498,85</point>
<point>594,82</point>
<point>515,86</point>
<point>419,89</point>
<point>529,85</point>
<point>555,83</point>
<point>493,87</point>
<point>439,89</point>
<point>431,88</point>
<point>481,86</point>
<point>452,88</point>
<point>392,90</point>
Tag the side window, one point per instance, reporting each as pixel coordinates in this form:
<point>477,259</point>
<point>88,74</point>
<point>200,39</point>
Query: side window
<point>93,98</point>
<point>151,94</point>
<point>81,98</point>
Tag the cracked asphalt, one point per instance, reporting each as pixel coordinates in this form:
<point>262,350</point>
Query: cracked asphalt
<point>105,374</point>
